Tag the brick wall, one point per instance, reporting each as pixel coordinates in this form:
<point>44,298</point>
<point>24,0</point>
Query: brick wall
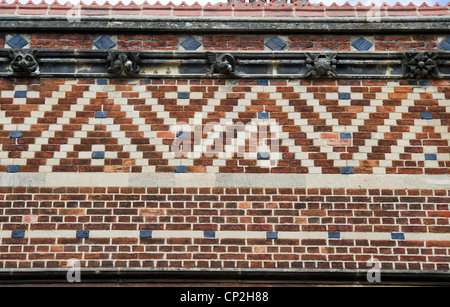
<point>89,168</point>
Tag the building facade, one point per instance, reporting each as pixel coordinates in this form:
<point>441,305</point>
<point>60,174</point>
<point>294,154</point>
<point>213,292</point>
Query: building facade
<point>241,142</point>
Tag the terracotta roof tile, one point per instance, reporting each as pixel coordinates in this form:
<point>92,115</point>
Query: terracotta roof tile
<point>235,8</point>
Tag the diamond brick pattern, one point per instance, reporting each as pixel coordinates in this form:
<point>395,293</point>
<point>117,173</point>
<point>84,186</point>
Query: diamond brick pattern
<point>104,43</point>
<point>276,44</point>
<point>17,42</point>
<point>362,44</point>
<point>190,44</point>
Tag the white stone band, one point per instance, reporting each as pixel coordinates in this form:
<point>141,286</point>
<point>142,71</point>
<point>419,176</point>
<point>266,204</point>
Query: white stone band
<point>195,234</point>
<point>200,180</point>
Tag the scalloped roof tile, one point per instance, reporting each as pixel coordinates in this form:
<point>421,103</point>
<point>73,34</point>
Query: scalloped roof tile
<point>236,8</point>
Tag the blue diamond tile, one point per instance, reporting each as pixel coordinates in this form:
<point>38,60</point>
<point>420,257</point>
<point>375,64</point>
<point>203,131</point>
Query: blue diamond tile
<point>104,43</point>
<point>209,234</point>
<point>180,169</point>
<point>362,44</point>
<point>262,82</point>
<point>17,42</point>
<point>271,235</point>
<point>98,155</point>
<point>347,170</point>
<point>263,156</point>
<point>18,234</point>
<point>146,234</point>
<point>183,96</point>
<point>20,94</point>
<point>334,235</point>
<point>15,134</point>
<point>190,44</point>
<point>345,136</point>
<point>276,43</point>
<point>102,81</point>
<point>83,234</point>
<point>431,157</point>
<point>397,236</point>
<point>446,44</point>
<point>12,168</point>
<point>263,115</point>
<point>101,114</point>
<point>344,95</point>
<point>426,116</point>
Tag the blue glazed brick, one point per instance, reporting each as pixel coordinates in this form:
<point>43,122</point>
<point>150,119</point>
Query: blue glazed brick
<point>271,235</point>
<point>101,114</point>
<point>104,43</point>
<point>276,44</point>
<point>362,44</point>
<point>334,235</point>
<point>12,168</point>
<point>102,81</point>
<point>15,134</point>
<point>347,170</point>
<point>344,95</point>
<point>180,169</point>
<point>17,42</point>
<point>209,234</point>
<point>183,95</point>
<point>263,156</point>
<point>426,116</point>
<point>98,155</point>
<point>430,157</point>
<point>262,82</point>
<point>446,44</point>
<point>146,234</point>
<point>424,83</point>
<point>345,136</point>
<point>191,44</point>
<point>20,94</point>
<point>263,115</point>
<point>83,234</point>
<point>18,234</point>
<point>397,236</point>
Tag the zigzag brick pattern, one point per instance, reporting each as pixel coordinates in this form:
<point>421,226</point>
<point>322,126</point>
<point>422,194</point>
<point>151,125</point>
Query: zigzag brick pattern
<point>379,127</point>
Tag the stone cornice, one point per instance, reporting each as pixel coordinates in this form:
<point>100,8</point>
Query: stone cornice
<point>145,24</point>
<point>250,65</point>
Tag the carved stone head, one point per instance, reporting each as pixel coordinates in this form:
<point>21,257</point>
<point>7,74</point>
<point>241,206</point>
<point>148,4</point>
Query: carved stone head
<point>24,62</point>
<point>320,65</point>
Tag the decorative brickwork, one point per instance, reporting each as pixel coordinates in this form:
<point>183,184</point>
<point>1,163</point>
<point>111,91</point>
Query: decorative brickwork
<point>280,137</point>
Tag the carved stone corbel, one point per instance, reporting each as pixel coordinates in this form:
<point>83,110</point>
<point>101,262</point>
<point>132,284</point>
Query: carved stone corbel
<point>120,63</point>
<point>420,65</point>
<point>320,65</point>
<point>24,62</point>
<point>222,63</point>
